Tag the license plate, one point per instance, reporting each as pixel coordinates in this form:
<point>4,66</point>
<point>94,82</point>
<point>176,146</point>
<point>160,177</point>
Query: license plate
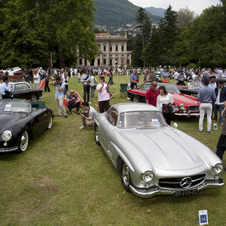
<point>185,193</point>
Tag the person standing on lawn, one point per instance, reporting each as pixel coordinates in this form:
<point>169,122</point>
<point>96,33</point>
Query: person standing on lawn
<point>59,96</point>
<point>152,94</point>
<point>206,95</point>
<point>86,79</point>
<point>221,145</point>
<point>220,92</point>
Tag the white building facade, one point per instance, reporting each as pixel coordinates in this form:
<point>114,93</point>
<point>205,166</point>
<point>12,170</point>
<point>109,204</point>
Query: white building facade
<point>112,52</point>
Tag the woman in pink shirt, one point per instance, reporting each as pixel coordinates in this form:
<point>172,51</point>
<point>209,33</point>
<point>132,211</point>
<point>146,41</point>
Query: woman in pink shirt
<point>103,95</point>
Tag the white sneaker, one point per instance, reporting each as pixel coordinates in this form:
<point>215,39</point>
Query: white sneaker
<point>89,102</point>
<point>82,127</point>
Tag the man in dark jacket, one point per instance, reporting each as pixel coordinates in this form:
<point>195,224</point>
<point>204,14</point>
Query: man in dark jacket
<point>221,145</point>
<point>220,92</point>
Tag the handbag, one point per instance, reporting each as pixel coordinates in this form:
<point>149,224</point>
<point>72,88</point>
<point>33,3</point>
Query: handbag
<point>167,108</point>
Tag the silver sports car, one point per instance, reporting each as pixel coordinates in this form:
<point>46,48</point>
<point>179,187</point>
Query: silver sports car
<point>154,158</point>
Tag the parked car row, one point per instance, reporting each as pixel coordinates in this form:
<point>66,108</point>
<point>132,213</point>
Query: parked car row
<point>184,105</point>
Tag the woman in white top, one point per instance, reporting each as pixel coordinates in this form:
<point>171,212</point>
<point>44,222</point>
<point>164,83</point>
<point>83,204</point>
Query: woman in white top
<point>164,98</point>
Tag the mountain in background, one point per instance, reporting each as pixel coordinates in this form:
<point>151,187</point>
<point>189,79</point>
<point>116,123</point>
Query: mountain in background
<point>117,12</point>
<point>156,11</point>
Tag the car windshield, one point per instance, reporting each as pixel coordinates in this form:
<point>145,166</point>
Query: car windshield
<point>141,119</point>
<point>15,106</point>
<point>170,88</point>
<point>195,85</point>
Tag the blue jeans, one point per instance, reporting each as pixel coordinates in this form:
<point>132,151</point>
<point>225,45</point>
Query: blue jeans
<point>111,80</point>
<point>219,108</point>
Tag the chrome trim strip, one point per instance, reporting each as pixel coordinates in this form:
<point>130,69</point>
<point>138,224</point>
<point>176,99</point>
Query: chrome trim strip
<point>2,150</point>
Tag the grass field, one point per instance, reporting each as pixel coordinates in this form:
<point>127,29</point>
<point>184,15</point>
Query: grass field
<point>64,178</point>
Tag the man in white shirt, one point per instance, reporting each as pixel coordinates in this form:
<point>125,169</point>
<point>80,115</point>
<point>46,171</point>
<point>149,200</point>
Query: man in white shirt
<point>5,88</point>
<point>89,115</point>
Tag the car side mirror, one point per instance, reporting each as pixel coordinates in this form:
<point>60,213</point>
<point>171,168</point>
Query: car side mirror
<point>175,125</point>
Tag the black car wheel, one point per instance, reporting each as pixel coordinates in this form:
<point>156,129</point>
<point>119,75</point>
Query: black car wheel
<point>96,134</point>
<point>50,123</point>
<point>125,177</point>
<point>23,142</point>
<point>135,99</point>
<point>34,98</point>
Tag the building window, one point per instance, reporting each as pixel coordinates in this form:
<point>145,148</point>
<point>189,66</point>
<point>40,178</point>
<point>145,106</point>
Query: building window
<point>98,61</point>
<point>116,48</point>
<point>110,48</point>
<point>104,48</point>
<point>122,48</point>
<point>80,61</point>
<point>104,61</point>
<point>110,61</point>
<point>127,61</point>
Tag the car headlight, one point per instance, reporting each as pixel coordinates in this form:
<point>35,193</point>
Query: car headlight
<point>217,169</point>
<point>181,106</point>
<point>7,135</point>
<point>147,176</point>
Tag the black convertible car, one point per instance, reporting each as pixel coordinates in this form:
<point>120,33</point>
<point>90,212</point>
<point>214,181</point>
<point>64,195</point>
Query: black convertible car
<point>23,90</point>
<point>21,121</point>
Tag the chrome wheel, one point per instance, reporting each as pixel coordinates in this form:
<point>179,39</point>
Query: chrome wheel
<point>125,177</point>
<point>96,134</point>
<point>23,141</point>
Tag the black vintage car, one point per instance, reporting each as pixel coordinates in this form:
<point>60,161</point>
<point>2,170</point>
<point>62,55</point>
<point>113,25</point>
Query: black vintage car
<point>23,90</point>
<point>21,121</point>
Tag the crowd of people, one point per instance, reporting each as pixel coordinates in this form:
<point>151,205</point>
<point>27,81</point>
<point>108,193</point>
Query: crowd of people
<point>212,96</point>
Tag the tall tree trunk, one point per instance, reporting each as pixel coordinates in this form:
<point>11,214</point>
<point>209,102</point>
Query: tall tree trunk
<point>61,56</point>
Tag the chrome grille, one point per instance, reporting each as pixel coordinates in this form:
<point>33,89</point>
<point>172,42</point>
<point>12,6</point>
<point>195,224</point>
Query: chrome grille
<point>182,182</point>
<point>194,108</point>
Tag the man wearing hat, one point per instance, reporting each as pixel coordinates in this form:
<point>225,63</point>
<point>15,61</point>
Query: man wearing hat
<point>220,92</point>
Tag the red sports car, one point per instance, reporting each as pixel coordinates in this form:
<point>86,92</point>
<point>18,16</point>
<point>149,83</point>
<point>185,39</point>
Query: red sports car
<point>184,105</point>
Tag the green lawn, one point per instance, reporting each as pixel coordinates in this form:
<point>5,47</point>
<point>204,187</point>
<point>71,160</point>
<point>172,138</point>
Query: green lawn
<point>64,178</point>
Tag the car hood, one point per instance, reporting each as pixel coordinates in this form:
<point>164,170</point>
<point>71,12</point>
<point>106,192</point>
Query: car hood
<point>8,119</point>
<point>179,98</point>
<point>166,149</point>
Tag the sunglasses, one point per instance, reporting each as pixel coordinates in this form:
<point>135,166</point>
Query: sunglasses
<point>154,85</point>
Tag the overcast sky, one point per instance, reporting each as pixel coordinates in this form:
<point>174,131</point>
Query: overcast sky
<point>194,5</point>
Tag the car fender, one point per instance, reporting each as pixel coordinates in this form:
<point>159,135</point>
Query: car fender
<point>96,122</point>
<point>123,157</point>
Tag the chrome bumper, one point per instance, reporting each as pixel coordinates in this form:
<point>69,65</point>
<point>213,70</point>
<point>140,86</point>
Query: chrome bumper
<point>3,150</point>
<point>187,114</point>
<point>150,192</point>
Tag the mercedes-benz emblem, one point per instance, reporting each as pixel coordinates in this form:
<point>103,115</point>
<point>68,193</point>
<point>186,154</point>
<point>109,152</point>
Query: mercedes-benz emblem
<point>186,182</point>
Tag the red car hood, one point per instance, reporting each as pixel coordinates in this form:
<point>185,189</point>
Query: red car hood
<point>178,98</point>
<point>185,99</point>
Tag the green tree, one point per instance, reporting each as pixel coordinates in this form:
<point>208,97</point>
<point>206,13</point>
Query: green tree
<point>141,40</point>
<point>182,47</point>
<point>168,31</point>
<point>70,25</point>
<point>23,41</point>
<point>184,17</point>
<point>151,52</point>
<point>31,29</point>
<point>207,38</point>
